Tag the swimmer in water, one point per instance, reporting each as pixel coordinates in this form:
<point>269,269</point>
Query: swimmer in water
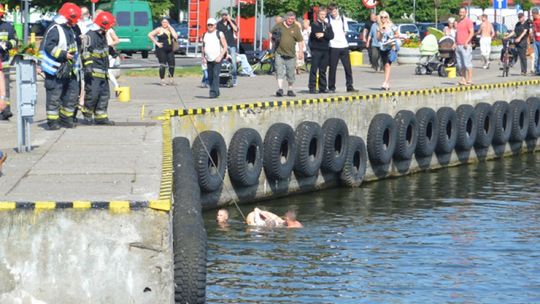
<point>222,217</point>
<point>262,218</point>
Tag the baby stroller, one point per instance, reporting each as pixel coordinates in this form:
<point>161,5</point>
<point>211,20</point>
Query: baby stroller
<point>508,55</point>
<point>447,54</point>
<point>225,73</point>
<point>429,61</point>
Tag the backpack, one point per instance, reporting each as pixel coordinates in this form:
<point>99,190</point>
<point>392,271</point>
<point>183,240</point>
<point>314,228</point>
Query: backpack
<point>276,38</point>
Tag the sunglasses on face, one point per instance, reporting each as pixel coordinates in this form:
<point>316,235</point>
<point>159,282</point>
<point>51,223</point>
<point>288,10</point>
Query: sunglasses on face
<point>384,17</point>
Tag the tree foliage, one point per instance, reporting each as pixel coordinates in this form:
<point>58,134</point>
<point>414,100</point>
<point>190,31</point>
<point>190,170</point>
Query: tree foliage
<point>483,4</point>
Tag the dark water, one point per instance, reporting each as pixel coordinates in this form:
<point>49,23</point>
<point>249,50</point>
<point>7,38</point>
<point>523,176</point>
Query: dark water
<point>468,234</point>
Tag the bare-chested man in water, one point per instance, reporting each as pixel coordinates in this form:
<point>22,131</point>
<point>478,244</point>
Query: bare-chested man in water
<point>486,33</point>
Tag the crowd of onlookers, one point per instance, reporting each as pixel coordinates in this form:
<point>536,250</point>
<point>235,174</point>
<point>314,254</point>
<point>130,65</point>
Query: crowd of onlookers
<point>324,42</point>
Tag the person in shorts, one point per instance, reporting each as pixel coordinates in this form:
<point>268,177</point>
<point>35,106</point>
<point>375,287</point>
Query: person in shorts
<point>286,55</point>
<point>464,35</point>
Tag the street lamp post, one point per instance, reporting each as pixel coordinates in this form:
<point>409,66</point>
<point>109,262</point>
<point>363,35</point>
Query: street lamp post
<point>414,11</point>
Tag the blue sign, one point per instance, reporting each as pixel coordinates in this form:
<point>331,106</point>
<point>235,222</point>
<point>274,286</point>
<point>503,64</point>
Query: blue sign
<point>499,4</point>
<point>518,8</point>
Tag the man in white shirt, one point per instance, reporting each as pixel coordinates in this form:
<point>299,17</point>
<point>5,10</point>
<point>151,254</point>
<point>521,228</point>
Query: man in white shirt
<point>213,50</point>
<point>339,50</point>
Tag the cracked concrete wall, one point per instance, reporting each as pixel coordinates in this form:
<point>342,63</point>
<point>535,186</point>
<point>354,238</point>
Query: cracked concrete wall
<point>92,256</point>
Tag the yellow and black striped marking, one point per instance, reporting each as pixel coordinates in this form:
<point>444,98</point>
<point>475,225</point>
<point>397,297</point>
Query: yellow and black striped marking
<point>165,191</point>
<point>335,99</point>
<point>114,206</point>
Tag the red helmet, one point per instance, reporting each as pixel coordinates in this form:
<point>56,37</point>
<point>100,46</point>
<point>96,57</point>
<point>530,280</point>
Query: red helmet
<point>105,20</point>
<point>2,11</point>
<point>71,11</point>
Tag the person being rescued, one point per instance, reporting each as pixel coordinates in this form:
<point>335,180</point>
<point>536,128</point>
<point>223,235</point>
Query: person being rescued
<point>263,218</point>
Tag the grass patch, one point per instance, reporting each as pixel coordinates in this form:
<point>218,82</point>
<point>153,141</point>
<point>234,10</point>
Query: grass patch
<point>154,72</point>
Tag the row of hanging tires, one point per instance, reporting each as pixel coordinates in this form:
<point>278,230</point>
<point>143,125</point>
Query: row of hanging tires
<point>329,147</point>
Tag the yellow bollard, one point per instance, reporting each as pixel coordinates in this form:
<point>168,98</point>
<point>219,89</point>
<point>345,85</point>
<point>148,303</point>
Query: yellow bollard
<point>123,94</point>
<point>357,58</point>
<point>32,37</point>
<point>451,72</point>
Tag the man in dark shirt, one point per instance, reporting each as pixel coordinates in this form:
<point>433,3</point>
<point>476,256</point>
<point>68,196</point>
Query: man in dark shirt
<point>319,43</point>
<point>521,31</point>
<point>286,55</point>
<point>228,28</point>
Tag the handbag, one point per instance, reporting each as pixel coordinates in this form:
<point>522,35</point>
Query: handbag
<point>175,45</point>
<point>392,56</point>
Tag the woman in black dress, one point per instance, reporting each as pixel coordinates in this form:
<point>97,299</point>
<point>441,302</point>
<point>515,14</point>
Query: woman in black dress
<point>163,37</point>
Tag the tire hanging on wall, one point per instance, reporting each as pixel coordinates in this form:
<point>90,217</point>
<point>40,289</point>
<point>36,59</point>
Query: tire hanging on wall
<point>407,135</point>
<point>428,130</point>
<point>520,120</point>
<point>503,122</point>
<point>381,139</point>
<point>189,234</point>
<point>245,160</point>
<point>466,127</point>
<point>279,151</point>
<point>336,139</point>
<point>447,130</point>
<point>534,118</point>
<point>210,155</point>
<point>355,166</point>
<point>485,125</point>
<point>309,145</point>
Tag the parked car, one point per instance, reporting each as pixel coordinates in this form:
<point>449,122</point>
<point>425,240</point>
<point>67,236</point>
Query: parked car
<point>133,23</point>
<point>423,28</point>
<point>499,29</point>
<point>182,31</point>
<point>355,41</point>
<point>406,30</point>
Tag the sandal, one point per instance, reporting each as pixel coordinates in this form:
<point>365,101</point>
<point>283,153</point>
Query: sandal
<point>461,83</point>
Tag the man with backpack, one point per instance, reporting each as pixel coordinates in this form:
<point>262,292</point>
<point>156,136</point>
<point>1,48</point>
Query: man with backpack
<point>289,33</point>
<point>339,50</point>
<point>214,49</point>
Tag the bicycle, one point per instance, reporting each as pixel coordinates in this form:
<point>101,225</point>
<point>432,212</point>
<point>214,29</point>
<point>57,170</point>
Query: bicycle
<point>507,56</point>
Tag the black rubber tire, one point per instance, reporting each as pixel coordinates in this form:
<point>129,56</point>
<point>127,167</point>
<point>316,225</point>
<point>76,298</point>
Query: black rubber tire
<point>520,120</point>
<point>485,123</point>
<point>189,236</point>
<point>144,54</point>
<point>210,154</point>
<point>447,130</point>
<point>428,131</point>
<point>503,122</point>
<point>355,166</point>
<point>381,139</point>
<point>279,151</point>
<point>407,135</point>
<point>534,118</point>
<point>245,160</point>
<point>466,127</point>
<point>336,140</point>
<point>442,72</point>
<point>309,144</point>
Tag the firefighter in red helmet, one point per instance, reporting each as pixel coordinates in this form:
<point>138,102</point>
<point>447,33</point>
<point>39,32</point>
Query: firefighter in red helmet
<point>8,41</point>
<point>95,67</point>
<point>60,61</point>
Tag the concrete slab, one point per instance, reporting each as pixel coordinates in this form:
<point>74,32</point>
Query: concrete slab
<point>70,256</point>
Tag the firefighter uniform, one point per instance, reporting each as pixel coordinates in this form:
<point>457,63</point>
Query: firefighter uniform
<point>8,41</point>
<point>95,67</point>
<point>61,74</point>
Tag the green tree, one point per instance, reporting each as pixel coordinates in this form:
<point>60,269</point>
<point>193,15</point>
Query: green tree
<point>483,4</point>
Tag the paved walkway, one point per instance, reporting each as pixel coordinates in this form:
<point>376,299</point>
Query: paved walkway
<point>124,162</point>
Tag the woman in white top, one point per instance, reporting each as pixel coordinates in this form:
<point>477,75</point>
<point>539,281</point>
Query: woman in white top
<point>450,30</point>
<point>387,35</point>
<point>114,57</point>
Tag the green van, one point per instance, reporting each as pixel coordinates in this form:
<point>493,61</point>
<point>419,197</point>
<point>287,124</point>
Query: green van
<point>133,23</point>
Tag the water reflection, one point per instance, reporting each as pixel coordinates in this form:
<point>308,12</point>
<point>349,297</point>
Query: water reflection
<point>463,234</point>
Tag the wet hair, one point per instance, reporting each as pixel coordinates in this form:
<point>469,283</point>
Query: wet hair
<point>291,215</point>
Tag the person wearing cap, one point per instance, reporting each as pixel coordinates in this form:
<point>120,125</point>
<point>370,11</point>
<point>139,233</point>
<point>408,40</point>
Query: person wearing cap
<point>535,32</point>
<point>520,32</point>
<point>214,49</point>
<point>229,28</point>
